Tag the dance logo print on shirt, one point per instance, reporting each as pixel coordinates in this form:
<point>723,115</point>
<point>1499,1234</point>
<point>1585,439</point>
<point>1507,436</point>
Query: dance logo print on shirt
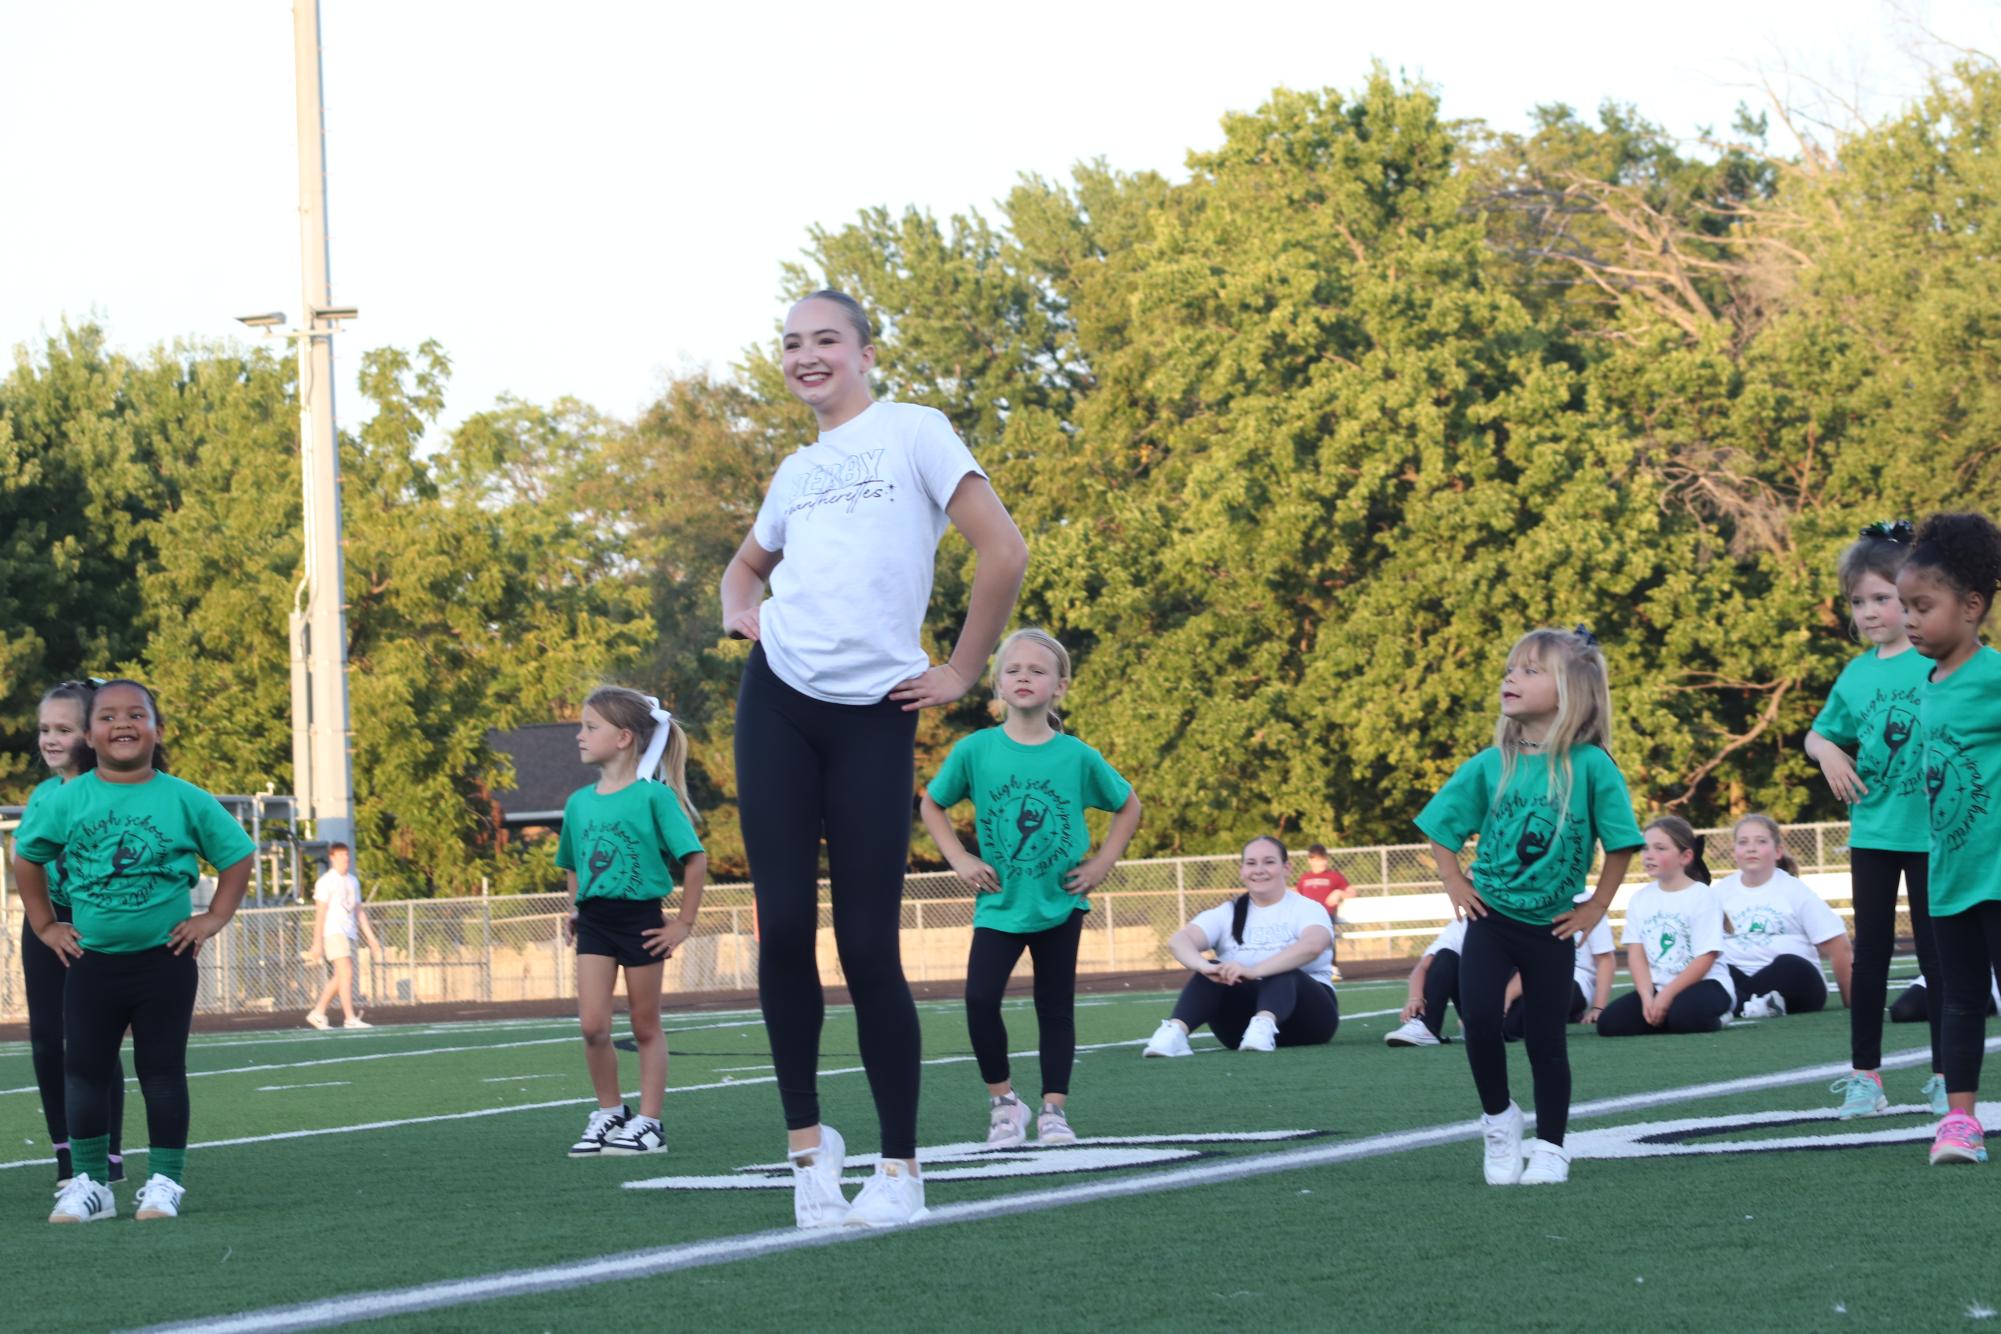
<point>611,860</point>
<point>1532,818</point>
<point>1892,714</point>
<point>1956,787</point>
<point>129,848</point>
<point>1669,941</point>
<point>859,478</point>
<point>1026,824</point>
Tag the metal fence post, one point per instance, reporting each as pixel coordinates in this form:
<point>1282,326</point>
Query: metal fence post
<point>486,943</point>
<point>1111,938</point>
<point>736,948</point>
<point>410,953</point>
<point>923,954</point>
<point>1180,890</point>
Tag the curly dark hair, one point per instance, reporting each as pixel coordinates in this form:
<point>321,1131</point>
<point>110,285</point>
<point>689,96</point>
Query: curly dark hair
<point>1964,549</point>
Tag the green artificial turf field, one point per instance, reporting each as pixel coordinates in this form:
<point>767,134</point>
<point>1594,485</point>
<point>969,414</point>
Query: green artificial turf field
<point>347,1168</point>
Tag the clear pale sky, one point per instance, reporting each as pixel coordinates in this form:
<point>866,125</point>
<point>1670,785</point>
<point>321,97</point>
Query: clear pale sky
<point>581,198</point>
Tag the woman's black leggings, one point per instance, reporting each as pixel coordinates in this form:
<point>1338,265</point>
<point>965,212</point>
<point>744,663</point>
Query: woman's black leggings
<point>1874,875</point>
<point>152,993</point>
<point>1969,947</point>
<point>1441,985</point>
<point>1304,1007</point>
<point>42,977</point>
<point>988,967</point>
<point>1798,982</point>
<point>1497,948</point>
<point>806,768</point>
<point>1700,1009</point>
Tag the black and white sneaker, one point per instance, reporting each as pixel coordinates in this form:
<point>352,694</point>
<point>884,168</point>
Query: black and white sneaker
<point>642,1134</point>
<point>604,1120</point>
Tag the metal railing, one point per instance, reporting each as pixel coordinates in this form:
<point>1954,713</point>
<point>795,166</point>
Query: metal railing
<point>511,947</point>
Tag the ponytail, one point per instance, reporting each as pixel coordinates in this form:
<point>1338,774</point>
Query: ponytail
<point>1240,911</point>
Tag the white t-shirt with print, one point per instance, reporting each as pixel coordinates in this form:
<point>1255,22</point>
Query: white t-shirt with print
<point>1781,916</point>
<point>1269,930</point>
<point>1589,947</point>
<point>857,516</point>
<point>341,892</point>
<point>1676,927</point>
<point>1451,938</point>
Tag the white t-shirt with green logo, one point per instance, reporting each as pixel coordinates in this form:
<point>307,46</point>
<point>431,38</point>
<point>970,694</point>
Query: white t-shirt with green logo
<point>1675,927</point>
<point>1269,930</point>
<point>1781,916</point>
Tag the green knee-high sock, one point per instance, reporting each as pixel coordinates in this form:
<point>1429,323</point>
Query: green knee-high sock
<point>172,1163</point>
<point>91,1157</point>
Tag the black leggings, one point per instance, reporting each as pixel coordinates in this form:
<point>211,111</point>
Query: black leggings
<point>1304,1007</point>
<point>42,977</point>
<point>1514,1020</point>
<point>1914,1006</point>
<point>1797,981</point>
<point>1497,948</point>
<point>992,960</point>
<point>1969,947</point>
<point>152,993</point>
<point>806,767</point>
<point>1874,874</point>
<point>1441,984</point>
<point>1700,1009</point>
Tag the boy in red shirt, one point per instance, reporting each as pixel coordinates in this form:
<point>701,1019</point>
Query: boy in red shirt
<point>1323,884</point>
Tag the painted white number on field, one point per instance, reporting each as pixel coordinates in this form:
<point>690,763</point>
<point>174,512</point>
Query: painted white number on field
<point>1803,1130</point>
<point>973,1161</point>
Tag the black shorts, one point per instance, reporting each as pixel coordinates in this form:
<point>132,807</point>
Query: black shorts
<point>611,927</point>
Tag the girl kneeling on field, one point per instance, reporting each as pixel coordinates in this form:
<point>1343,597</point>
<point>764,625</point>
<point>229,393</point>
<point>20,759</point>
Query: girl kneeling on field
<point>1030,786</point>
<point>1271,983</point>
<point>132,838</point>
<point>622,837</point>
<point>1674,942</point>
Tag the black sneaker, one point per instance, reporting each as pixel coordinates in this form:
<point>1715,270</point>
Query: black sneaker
<point>642,1134</point>
<point>603,1121</point>
<point>117,1173</point>
<point>64,1169</point>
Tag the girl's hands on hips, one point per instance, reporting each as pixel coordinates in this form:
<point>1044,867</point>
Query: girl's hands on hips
<point>664,939</point>
<point>62,938</point>
<point>1466,900</point>
<point>1578,921</point>
<point>982,877</point>
<point>743,625</point>
<point>570,928</point>
<point>1087,876</point>
<point>186,937</point>
<point>1839,771</point>
<point>941,685</point>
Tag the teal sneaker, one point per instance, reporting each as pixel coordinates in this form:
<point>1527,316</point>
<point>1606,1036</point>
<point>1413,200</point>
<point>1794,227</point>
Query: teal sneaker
<point>1862,1095</point>
<point>1935,1090</point>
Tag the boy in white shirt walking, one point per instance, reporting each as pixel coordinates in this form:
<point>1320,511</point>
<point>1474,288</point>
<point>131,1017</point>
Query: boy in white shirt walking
<point>339,920</point>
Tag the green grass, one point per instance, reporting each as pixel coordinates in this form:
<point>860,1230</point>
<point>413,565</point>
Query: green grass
<point>1411,1239</point>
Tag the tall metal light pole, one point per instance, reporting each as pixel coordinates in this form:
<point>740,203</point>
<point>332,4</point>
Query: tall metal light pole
<point>323,771</point>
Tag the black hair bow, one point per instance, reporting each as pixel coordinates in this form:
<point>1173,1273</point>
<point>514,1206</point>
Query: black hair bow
<point>1893,530</point>
<point>1590,640</point>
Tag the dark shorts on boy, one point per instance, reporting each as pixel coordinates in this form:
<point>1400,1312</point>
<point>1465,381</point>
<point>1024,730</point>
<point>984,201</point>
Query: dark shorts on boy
<point>612,927</point>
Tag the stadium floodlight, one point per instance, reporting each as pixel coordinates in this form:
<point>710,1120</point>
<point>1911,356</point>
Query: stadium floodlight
<point>269,320</point>
<point>336,312</point>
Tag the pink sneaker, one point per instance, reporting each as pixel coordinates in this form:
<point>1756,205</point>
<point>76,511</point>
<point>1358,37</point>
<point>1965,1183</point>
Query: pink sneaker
<point>1959,1141</point>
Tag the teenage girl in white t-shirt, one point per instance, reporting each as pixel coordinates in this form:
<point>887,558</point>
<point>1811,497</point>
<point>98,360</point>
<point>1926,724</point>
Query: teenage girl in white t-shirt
<point>1776,925</point>
<point>1674,942</point>
<point>826,724</point>
<point>1271,983</point>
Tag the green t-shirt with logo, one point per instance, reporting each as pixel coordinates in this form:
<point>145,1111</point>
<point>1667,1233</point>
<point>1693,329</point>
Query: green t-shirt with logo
<point>1962,722</point>
<point>1872,713</point>
<point>1028,806</point>
<point>57,894</point>
<point>1530,864</point>
<point>131,854</point>
<point>625,844</point>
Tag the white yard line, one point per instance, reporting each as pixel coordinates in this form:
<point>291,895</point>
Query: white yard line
<point>725,1250</point>
<point>286,1088</point>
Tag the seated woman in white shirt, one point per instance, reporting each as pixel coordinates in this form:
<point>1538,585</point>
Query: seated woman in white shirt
<point>1271,983</point>
<point>1776,925</point>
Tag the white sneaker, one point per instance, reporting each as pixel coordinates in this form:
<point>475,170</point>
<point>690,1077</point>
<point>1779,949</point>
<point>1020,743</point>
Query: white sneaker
<point>355,1021</point>
<point>642,1134</point>
<point>1053,1126</point>
<point>1549,1164</point>
<point>816,1182</point>
<point>316,1019</point>
<point>1756,1008</point>
<point>603,1121</point>
<point>160,1197</point>
<point>1503,1134</point>
<point>1262,1035</point>
<point>1777,1003</point>
<point>889,1198</point>
<point>84,1201</point>
<point>1170,1039</point>
<point>1007,1122</point>
<point>1412,1034</point>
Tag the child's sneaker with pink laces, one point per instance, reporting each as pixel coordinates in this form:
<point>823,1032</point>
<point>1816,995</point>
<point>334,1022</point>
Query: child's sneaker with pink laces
<point>1959,1141</point>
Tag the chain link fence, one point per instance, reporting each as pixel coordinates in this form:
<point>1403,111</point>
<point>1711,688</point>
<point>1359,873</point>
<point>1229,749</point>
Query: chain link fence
<point>511,948</point>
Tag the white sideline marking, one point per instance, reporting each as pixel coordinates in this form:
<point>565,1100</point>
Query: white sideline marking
<point>723,1250</point>
<point>510,1079</point>
<point>285,1088</point>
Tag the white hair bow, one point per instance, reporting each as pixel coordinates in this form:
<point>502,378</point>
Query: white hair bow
<point>656,745</point>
